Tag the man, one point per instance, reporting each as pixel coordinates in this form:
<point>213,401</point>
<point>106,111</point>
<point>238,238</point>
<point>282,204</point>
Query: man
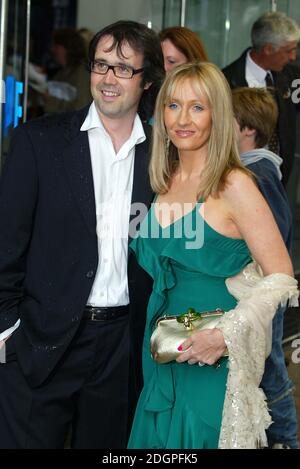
<point>274,44</point>
<point>256,114</point>
<point>65,197</point>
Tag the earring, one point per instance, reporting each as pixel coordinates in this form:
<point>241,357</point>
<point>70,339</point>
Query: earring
<point>167,145</point>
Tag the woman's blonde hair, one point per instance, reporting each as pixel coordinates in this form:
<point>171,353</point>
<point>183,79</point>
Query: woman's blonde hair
<point>222,155</point>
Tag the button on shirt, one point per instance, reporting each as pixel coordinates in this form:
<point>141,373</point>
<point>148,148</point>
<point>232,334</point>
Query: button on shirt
<point>113,180</point>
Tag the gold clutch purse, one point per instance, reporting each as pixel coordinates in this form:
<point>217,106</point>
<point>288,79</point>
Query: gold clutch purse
<point>171,331</point>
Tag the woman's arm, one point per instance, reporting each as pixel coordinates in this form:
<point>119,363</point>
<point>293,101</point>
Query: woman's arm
<point>251,215</point>
<point>253,218</point>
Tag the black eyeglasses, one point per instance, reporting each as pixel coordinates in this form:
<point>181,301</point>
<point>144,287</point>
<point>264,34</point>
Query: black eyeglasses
<point>120,71</point>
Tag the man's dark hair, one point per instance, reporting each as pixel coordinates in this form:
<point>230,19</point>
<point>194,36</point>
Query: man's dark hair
<point>144,40</point>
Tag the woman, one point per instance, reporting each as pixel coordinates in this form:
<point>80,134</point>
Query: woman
<point>181,405</point>
<point>180,45</point>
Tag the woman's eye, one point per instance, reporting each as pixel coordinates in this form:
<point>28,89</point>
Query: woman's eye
<point>172,106</point>
<point>197,108</point>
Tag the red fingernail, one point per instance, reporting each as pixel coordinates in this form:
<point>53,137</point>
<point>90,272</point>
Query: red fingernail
<point>179,348</point>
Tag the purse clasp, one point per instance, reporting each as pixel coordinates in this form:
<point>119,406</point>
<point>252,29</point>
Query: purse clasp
<point>187,318</point>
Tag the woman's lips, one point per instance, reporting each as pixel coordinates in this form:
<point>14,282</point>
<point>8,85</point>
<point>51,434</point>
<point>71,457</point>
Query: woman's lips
<point>184,133</point>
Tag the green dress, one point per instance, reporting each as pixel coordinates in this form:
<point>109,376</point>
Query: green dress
<point>181,405</point>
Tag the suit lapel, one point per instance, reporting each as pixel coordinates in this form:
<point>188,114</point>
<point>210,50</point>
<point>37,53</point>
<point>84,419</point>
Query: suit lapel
<point>240,78</point>
<point>141,190</point>
<point>238,74</point>
<point>77,161</point>
<point>78,167</point>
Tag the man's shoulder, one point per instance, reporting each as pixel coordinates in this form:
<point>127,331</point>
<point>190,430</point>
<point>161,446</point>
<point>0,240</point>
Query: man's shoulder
<point>286,82</point>
<point>236,63</point>
<point>55,123</point>
<point>289,73</point>
<point>235,71</point>
<point>265,170</point>
<point>267,179</point>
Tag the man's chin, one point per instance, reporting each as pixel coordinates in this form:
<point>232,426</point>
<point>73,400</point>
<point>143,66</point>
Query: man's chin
<point>112,112</point>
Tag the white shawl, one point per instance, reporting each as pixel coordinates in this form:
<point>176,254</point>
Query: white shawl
<point>247,331</point>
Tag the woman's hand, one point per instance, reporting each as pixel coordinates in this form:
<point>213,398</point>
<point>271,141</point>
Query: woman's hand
<point>203,347</point>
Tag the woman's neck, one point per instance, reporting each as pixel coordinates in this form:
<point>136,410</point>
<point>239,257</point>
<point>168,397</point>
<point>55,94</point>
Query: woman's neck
<point>190,166</point>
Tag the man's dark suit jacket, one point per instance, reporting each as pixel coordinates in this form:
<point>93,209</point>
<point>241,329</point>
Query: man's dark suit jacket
<point>48,242</point>
<point>236,77</point>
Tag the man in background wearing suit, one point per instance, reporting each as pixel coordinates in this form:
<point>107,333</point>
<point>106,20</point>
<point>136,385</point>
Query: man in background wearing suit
<point>71,297</point>
<point>267,63</point>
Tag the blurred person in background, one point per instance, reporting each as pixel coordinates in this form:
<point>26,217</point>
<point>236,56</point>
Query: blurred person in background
<point>87,35</point>
<point>268,63</point>
<point>181,45</point>
<point>69,89</point>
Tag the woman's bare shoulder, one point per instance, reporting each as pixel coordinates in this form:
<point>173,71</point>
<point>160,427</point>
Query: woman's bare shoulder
<point>238,183</point>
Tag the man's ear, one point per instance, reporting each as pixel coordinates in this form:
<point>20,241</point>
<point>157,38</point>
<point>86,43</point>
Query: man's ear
<point>147,85</point>
<point>249,132</point>
<point>268,49</point>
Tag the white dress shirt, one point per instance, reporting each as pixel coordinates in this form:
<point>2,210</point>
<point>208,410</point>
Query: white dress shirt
<point>113,180</point>
<point>255,75</point>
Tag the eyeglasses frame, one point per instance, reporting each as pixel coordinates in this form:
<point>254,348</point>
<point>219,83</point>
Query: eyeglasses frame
<point>112,67</point>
